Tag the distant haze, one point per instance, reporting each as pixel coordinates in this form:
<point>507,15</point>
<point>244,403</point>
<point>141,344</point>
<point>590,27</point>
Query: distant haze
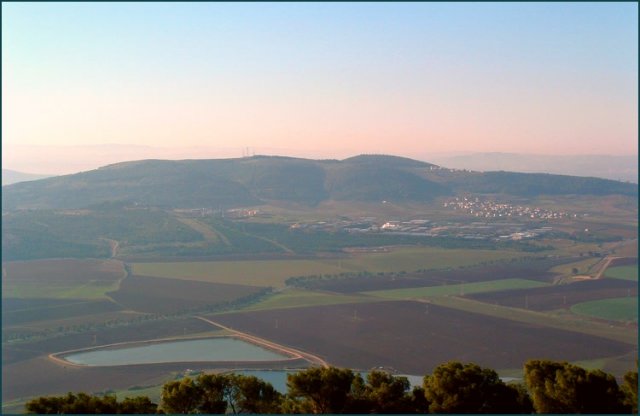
<point>620,168</point>
<point>11,176</point>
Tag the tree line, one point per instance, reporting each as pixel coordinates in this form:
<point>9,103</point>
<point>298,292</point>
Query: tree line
<point>453,387</point>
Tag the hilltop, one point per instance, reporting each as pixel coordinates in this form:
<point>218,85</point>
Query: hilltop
<point>224,183</point>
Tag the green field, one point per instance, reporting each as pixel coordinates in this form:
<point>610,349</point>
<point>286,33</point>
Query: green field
<point>458,289</point>
<point>297,298</point>
<point>61,279</point>
<point>89,290</point>
<point>617,309</point>
<point>275,272</point>
<point>623,272</point>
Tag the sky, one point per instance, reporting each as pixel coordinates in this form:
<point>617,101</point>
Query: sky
<point>88,83</point>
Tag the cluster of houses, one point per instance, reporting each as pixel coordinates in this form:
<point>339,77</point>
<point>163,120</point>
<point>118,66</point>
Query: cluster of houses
<point>498,231</point>
<point>235,213</point>
<point>491,209</point>
<point>496,221</point>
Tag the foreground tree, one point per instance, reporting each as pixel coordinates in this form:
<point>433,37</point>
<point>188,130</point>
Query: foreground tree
<point>323,390</point>
<point>630,390</point>
<point>214,392</point>
<point>182,396</point>
<point>467,388</point>
<point>249,394</point>
<point>385,393</point>
<point>83,403</point>
<point>556,387</point>
<point>560,387</point>
<point>220,393</point>
<point>137,405</point>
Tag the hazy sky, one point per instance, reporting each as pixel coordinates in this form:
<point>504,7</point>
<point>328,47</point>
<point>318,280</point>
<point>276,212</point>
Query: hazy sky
<point>332,79</point>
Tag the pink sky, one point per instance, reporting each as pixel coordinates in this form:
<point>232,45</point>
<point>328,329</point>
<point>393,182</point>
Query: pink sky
<point>207,80</point>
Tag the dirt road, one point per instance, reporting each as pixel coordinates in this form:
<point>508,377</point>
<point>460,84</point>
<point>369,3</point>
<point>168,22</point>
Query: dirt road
<point>606,262</point>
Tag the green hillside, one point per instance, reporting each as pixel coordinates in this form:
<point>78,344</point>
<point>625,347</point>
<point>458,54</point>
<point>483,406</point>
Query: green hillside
<point>225,183</point>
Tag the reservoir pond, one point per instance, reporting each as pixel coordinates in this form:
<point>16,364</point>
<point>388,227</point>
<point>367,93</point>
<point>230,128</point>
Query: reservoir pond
<point>212,349</point>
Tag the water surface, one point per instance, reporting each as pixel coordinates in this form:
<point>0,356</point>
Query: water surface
<point>212,349</point>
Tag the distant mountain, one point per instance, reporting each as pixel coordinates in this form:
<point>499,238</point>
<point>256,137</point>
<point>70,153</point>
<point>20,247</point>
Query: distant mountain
<point>13,176</point>
<point>620,168</point>
<point>223,183</point>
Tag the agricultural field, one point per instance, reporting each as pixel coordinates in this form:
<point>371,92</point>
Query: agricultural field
<point>559,296</point>
<point>627,248</point>
<point>275,272</point>
<point>367,335</point>
<point>457,289</point>
<point>623,272</point>
<point>61,278</point>
<point>526,268</point>
<point>617,309</point>
<point>497,307</point>
<point>44,296</point>
<point>169,296</point>
<point>296,298</point>
<point>22,311</point>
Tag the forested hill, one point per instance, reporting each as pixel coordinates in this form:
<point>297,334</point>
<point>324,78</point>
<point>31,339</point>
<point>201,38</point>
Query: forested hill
<point>223,183</point>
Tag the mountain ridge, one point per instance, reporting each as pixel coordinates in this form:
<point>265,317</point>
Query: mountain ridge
<point>253,180</point>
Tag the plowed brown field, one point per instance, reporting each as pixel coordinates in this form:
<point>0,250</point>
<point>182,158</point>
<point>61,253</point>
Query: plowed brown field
<point>414,337</point>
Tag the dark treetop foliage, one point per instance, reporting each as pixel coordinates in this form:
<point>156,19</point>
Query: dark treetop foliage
<point>453,387</point>
<point>560,387</point>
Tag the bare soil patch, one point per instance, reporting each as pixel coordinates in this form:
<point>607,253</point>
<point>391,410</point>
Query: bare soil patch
<point>560,296</point>
<point>67,271</point>
<point>624,261</point>
<point>414,337</point>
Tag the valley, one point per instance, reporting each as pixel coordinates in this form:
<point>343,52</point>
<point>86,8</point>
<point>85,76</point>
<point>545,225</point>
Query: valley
<point>399,283</point>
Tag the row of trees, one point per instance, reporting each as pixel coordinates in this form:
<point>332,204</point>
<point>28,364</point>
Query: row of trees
<point>453,387</point>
